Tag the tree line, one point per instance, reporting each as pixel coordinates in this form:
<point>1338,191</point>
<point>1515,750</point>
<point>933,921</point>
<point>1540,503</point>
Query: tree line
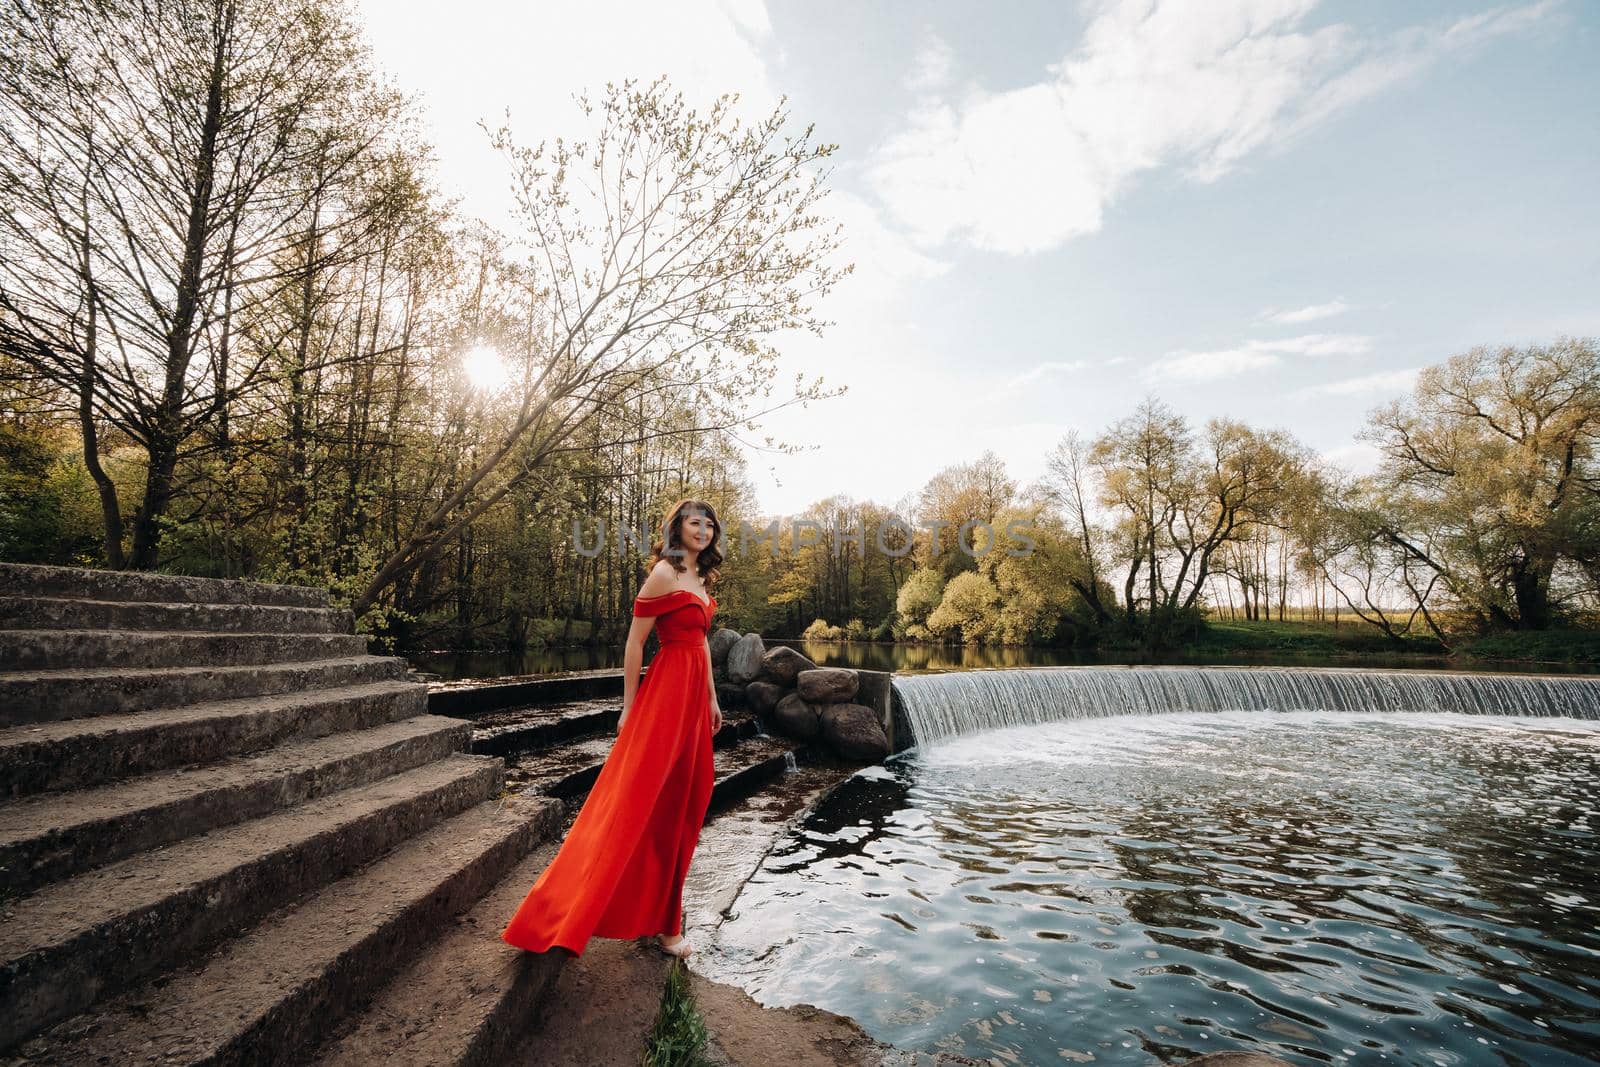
<point>1483,513</point>
<point>244,334</point>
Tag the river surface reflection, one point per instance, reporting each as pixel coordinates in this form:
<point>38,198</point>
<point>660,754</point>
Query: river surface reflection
<point>1328,887</point>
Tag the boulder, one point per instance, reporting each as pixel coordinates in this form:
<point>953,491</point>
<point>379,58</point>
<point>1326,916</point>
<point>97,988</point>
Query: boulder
<point>763,696</point>
<point>781,664</point>
<point>730,695</point>
<point>744,659</point>
<point>828,685</point>
<point>721,641</point>
<point>793,717</point>
<point>854,732</point>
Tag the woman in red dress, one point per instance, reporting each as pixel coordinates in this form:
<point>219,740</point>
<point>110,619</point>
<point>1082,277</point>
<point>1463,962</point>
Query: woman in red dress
<point>620,871</point>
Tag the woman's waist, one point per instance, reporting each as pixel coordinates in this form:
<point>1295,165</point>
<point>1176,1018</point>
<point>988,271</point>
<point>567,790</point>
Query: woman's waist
<point>687,642</point>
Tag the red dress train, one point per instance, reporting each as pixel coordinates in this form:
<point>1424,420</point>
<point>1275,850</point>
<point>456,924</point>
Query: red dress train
<point>621,869</point>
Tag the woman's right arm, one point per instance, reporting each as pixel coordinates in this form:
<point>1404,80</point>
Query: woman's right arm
<point>659,581</point>
<point>633,661</point>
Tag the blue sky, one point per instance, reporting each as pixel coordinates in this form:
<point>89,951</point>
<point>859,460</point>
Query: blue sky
<point>1270,209</point>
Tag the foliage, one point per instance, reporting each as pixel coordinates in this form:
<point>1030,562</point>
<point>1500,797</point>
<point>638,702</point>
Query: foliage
<point>1177,500</point>
<point>820,630</point>
<point>918,598</point>
<point>968,611</point>
<point>678,1036</point>
<point>1489,481</point>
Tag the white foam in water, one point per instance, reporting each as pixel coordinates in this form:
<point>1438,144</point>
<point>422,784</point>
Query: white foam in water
<point>943,706</point>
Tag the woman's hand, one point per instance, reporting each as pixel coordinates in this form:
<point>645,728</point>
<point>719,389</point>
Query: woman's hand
<point>622,719</point>
<point>716,718</point>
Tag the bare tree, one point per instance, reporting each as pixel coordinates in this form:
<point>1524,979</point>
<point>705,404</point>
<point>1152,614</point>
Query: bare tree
<point>667,250</point>
<point>152,199</point>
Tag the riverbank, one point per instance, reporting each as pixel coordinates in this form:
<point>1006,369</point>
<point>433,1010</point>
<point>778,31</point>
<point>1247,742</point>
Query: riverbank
<point>604,1002</point>
<point>1354,641</point>
<point>1222,643</point>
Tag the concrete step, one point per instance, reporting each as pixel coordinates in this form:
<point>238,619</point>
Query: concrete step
<point>467,1000</point>
<point>264,997</point>
<point>83,752</point>
<point>470,699</point>
<point>65,945</point>
<point>47,838</point>
<point>503,733</point>
<point>39,650</point>
<point>428,1015</point>
<point>65,613</point>
<point>569,771</point>
<point>751,766</point>
<point>520,731</point>
<point>50,696</point>
<point>23,579</point>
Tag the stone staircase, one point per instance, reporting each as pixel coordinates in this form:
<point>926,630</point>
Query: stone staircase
<point>223,825</point>
<point>228,835</point>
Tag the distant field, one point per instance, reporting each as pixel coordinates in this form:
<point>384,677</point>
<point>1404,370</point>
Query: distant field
<point>1548,646</point>
<point>1309,637</point>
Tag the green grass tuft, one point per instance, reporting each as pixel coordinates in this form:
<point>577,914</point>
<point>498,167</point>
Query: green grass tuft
<point>679,1034</point>
<point>1539,646</point>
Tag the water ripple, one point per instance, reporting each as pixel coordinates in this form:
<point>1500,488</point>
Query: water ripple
<point>1329,887</point>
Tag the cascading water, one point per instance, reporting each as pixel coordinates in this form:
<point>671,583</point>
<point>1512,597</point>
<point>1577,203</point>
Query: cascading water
<point>1136,865</point>
<point>950,704</point>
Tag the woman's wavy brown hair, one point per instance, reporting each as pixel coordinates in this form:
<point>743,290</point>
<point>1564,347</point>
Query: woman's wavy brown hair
<point>672,534</point>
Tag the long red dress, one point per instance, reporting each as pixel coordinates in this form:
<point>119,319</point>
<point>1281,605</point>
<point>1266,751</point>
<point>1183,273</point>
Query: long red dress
<point>620,871</point>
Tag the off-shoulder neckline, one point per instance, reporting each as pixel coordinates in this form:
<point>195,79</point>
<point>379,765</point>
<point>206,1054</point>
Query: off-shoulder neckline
<point>706,602</point>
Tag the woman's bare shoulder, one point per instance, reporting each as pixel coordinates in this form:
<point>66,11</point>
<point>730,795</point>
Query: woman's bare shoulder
<point>662,579</point>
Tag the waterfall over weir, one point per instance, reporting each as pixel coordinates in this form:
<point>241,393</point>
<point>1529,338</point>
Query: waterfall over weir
<point>962,702</point>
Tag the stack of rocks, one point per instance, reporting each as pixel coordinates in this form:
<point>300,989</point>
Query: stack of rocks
<point>796,698</point>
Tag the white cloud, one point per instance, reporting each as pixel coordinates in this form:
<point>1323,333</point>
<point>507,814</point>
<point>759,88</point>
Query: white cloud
<point>1310,313</point>
<point>1320,344</point>
<point>1153,84</point>
<point>1394,381</point>
<point>1037,376</point>
<point>931,68</point>
<point>1185,365</point>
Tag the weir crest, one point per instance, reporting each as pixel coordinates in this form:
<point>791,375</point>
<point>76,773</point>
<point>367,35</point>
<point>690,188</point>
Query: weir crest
<point>950,704</point>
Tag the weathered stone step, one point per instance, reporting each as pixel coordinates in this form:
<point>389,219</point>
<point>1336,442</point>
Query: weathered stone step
<point>49,696</point>
<point>94,751</point>
<point>66,944</point>
<point>427,1014</point>
<point>39,650</point>
<point>62,613</point>
<point>46,838</point>
<point>569,771</point>
<point>525,730</point>
<point>750,766</point>
<point>24,579</point>
<point>266,996</point>
<point>502,733</point>
<point>470,699</point>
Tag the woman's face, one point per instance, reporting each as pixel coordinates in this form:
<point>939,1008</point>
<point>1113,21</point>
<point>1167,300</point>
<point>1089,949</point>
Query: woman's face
<point>697,530</point>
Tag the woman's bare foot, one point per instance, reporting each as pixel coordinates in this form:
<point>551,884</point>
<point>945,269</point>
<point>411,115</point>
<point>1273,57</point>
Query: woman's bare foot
<point>674,945</point>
